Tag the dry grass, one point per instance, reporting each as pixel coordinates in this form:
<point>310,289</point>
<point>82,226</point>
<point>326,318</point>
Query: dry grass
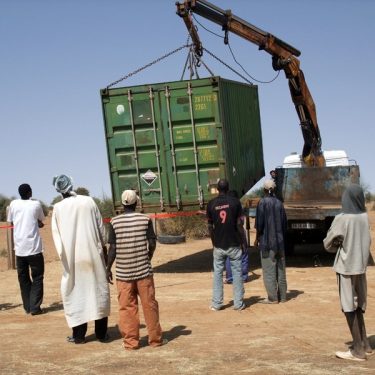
<point>193,227</point>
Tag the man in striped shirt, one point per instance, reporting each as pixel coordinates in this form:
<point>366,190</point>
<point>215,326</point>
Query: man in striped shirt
<point>132,243</point>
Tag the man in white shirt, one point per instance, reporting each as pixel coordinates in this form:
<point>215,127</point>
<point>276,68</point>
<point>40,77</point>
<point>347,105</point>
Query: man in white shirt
<point>27,217</point>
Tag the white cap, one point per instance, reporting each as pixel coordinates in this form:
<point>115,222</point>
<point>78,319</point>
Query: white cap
<point>269,184</point>
<point>129,197</point>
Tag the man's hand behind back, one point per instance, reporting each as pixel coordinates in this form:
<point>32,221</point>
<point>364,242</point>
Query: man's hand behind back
<point>109,276</point>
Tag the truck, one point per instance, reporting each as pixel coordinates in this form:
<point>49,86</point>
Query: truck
<point>309,184</point>
<point>312,196</point>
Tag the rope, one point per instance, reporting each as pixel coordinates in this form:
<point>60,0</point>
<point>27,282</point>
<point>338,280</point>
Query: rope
<point>229,67</point>
<point>233,56</point>
<point>249,75</point>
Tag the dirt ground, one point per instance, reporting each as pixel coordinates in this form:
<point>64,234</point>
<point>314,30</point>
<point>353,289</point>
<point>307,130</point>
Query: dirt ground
<point>297,337</point>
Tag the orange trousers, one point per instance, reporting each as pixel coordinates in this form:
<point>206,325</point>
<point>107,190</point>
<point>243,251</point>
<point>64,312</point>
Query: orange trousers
<point>128,292</point>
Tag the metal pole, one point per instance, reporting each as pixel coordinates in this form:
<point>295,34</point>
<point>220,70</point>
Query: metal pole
<point>247,222</point>
<point>195,148</point>
<point>173,152</point>
<point>157,153</point>
<point>130,100</point>
<point>10,247</point>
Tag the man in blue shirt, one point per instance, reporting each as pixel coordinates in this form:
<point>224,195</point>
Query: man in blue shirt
<point>271,224</point>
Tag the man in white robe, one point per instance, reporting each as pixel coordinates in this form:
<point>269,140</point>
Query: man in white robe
<point>78,234</point>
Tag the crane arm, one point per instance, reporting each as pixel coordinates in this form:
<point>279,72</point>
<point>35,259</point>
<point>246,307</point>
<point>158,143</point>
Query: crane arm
<point>284,57</point>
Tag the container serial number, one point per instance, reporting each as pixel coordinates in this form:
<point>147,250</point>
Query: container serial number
<point>204,98</point>
<point>200,106</point>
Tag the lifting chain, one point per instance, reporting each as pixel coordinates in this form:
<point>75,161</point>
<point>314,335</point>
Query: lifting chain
<point>195,61</point>
<point>149,64</point>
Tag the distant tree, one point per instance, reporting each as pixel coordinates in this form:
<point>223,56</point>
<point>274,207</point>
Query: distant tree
<point>369,197</point>
<point>79,191</point>
<point>4,203</point>
<point>106,209</point>
<point>56,200</point>
<point>105,206</point>
<point>82,191</point>
<point>45,208</point>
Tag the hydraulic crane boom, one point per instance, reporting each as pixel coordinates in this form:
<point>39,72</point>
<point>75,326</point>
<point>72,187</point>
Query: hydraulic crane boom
<point>283,58</point>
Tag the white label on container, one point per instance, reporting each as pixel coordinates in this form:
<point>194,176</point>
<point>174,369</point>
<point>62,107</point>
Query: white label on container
<point>120,109</point>
<point>149,177</point>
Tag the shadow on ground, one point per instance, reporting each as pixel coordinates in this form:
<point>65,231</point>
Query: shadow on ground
<point>170,335</point>
<point>114,334</point>
<point>310,255</point>
<point>56,306</point>
<point>253,300</point>
<point>176,332</point>
<point>53,307</point>
<point>305,256</point>
<point>371,340</point>
<point>9,306</point>
<point>292,294</point>
<point>197,262</point>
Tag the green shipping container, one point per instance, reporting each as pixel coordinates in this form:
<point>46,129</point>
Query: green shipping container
<point>171,142</point>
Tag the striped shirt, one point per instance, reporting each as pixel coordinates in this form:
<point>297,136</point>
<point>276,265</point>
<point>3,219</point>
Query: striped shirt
<point>130,233</point>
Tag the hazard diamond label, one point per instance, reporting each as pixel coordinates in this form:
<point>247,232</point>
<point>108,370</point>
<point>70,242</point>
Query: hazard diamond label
<point>149,177</point>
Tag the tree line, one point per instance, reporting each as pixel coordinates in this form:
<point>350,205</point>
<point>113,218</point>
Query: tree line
<point>104,204</point>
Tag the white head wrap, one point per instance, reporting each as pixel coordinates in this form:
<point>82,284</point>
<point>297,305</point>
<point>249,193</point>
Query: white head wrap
<point>62,183</point>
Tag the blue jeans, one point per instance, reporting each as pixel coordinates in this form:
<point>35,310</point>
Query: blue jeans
<point>245,268</point>
<point>220,255</point>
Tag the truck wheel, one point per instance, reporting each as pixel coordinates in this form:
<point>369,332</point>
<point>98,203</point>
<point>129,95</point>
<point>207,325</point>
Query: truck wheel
<point>289,247</point>
<point>168,239</point>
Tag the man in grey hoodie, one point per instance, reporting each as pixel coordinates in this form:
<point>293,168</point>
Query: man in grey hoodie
<point>349,236</point>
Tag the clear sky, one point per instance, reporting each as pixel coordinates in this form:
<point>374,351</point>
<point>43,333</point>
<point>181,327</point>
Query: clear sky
<point>56,56</point>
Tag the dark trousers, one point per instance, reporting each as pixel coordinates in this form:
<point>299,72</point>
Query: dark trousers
<point>31,287</point>
<point>244,267</point>
<point>274,274</point>
<point>101,325</point>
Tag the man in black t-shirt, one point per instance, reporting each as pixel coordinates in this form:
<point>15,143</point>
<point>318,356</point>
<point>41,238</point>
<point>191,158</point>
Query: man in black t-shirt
<point>224,223</point>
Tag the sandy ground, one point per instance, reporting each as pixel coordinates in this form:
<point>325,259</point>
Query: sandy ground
<point>297,337</point>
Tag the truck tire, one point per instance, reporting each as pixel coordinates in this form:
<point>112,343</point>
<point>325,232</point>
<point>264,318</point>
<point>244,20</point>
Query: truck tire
<point>168,239</point>
<point>289,246</point>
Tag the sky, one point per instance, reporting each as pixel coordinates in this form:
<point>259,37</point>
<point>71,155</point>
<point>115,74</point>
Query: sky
<point>55,56</point>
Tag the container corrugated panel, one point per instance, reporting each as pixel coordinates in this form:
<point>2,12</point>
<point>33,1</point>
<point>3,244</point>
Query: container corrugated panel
<point>172,141</point>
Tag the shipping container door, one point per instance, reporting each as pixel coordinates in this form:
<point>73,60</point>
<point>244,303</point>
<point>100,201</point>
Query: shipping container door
<point>192,131</point>
<point>135,145</point>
